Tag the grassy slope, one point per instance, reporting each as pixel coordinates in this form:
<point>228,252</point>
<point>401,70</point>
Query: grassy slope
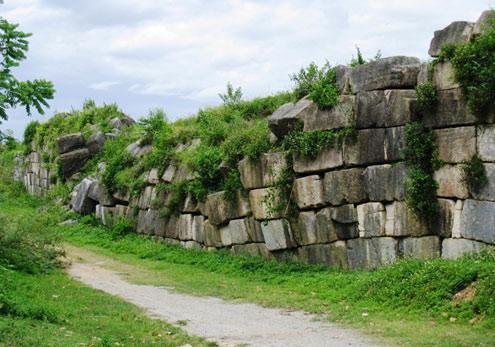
<point>397,301</point>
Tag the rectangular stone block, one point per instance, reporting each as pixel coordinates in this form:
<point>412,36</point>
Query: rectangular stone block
<point>456,248</point>
<point>325,227</point>
<point>151,177</point>
<point>340,116</point>
<point>328,158</point>
<point>478,221</point>
<point>402,221</point>
<point>385,108</point>
<point>308,192</point>
<point>146,197</point>
<point>272,166</point>
<point>455,32</point>
<point>451,111</point>
<point>277,234</point>
<point>334,254</point>
<point>252,249</point>
<point>371,253</point>
<point>313,229</point>
<point>371,218</point>
<point>385,182</point>
<point>444,77</point>
<point>446,213</point>
<point>456,144</point>
<point>198,229</point>
<point>263,202</point>
<point>220,209</point>
<point>344,186</point>
<point>487,192</point>
<point>451,183</point>
<point>241,231</point>
<point>185,227</point>
<point>486,142</point>
<point>251,173</point>
<point>427,247</point>
<point>212,237</point>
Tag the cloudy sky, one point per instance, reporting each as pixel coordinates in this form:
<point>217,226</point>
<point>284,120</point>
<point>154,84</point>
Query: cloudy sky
<point>178,55</point>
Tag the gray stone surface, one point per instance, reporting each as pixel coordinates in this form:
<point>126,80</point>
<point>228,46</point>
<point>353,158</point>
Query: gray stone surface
<point>289,116</point>
<point>308,192</point>
<point>344,186</point>
<point>96,142</point>
<point>486,142</point>
<point>306,233</point>
<point>334,254</point>
<point>81,202</point>
<point>327,158</point>
<point>371,253</point>
<point>72,162</point>
<point>220,209</point>
<point>169,174</point>
<point>146,198</point>
<point>251,173</point>
<point>211,235</point>
<point>456,144</point>
<point>253,249</point>
<point>371,218</point>
<point>277,234</point>
<point>402,221</point>
<point>450,182</point>
<point>263,201</point>
<point>443,76</point>
<point>452,110</point>
<point>340,116</point>
<point>385,182</point>
<point>454,32</point>
<point>70,142</point>
<point>185,227</point>
<point>198,229</point>
<point>385,108</point>
<point>235,233</point>
<point>387,73</point>
<point>272,166</point>
<point>478,221</point>
<point>326,230</point>
<point>152,177</point>
<point>445,222</point>
<point>105,214</point>
<point>481,24</point>
<point>136,150</point>
<point>487,192</point>
<point>427,247</point>
<point>456,248</point>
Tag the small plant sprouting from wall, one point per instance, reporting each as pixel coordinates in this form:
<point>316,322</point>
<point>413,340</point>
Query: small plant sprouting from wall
<point>474,173</point>
<point>420,155</point>
<point>427,97</point>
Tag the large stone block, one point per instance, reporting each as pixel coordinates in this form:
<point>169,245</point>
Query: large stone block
<point>402,221</point>
<point>263,202</point>
<point>169,174</point>
<point>427,247</point>
<point>99,193</point>
<point>308,192</point>
<point>334,254</point>
<point>371,253</point>
<point>451,183</point>
<point>136,150</point>
<point>387,73</point>
<point>457,219</point>
<point>198,229</point>
<point>385,182</point>
<point>337,223</point>
<point>478,221</point>
<point>451,111</point>
<point>344,186</point>
<point>385,108</point>
<point>251,173</point>
<point>263,172</point>
<point>146,197</point>
<point>105,214</point>
<point>340,116</point>
<point>456,144</point>
<point>252,249</point>
<point>327,158</point>
<point>81,202</point>
<point>483,22</point>
<point>72,162</point>
<point>326,230</point>
<point>487,192</point>
<point>70,142</point>
<point>277,234</point>
<point>312,230</point>
<point>212,236</point>
<point>486,142</point>
<point>454,32</point>
<point>374,146</point>
<point>288,116</point>
<point>444,77</point>
<point>220,208</point>
<point>446,213</point>
<point>456,248</point>
<point>96,142</point>
<point>152,177</point>
<point>185,227</point>
<point>371,218</point>
<point>241,231</point>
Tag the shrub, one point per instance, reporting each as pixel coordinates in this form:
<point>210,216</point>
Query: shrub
<point>154,124</point>
<point>30,132</point>
<point>232,96</point>
<point>427,97</point>
<point>474,173</point>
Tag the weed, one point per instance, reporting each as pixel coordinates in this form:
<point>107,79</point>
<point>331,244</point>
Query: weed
<point>474,173</point>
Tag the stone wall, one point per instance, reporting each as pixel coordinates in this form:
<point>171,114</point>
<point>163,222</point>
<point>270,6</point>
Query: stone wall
<point>351,209</point>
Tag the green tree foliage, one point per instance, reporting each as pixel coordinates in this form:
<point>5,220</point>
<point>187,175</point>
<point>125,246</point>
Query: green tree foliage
<point>233,95</point>
<point>28,94</point>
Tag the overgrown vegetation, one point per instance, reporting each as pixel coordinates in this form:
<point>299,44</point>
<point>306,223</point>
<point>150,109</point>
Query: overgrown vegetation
<point>427,97</point>
<point>421,157</point>
<point>474,69</point>
<point>474,173</point>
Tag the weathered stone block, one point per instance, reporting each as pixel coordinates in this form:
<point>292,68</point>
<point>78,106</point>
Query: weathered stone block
<point>120,212</point>
<point>211,235</point>
<point>371,219</point>
<point>263,201</point>
<point>445,221</point>
<point>344,186</point>
<point>444,77</point>
<point>385,182</point>
<point>450,182</point>
<point>482,23</point>
<point>385,108</point>
<point>456,144</point>
<point>326,230</point>
<point>198,229</point>
<point>454,32</point>
<point>272,165</point>
<point>121,196</point>
<point>456,248</point>
<point>457,219</point>
<point>151,177</point>
<point>451,110</point>
<point>72,162</point>
<point>136,150</point>
<point>253,249</point>
<point>220,209</point>
<point>328,158</point>
<point>251,173</point>
<point>306,233</point>
<point>289,116</point>
<point>371,253</point>
<point>146,198</point>
<point>105,214</point>
<point>334,254</point>
<point>277,234</point>
<point>340,116</point>
<point>487,192</point>
<point>427,247</point>
<point>185,227</point>
<point>169,174</point>
<point>478,221</point>
<point>486,142</point>
<point>308,192</point>
<point>81,202</point>
<point>98,192</point>
<point>96,142</point>
<point>402,221</point>
<point>235,233</point>
<point>70,142</point>
<point>387,73</point>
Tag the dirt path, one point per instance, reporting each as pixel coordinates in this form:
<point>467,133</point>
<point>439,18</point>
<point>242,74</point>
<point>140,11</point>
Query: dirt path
<point>228,324</point>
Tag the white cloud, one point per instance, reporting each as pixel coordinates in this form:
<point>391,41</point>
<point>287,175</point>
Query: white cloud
<point>104,85</point>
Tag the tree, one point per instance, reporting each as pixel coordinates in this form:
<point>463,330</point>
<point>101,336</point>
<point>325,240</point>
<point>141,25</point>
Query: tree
<point>28,94</point>
<point>232,96</point>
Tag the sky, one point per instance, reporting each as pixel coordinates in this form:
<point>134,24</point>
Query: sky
<point>178,55</point>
